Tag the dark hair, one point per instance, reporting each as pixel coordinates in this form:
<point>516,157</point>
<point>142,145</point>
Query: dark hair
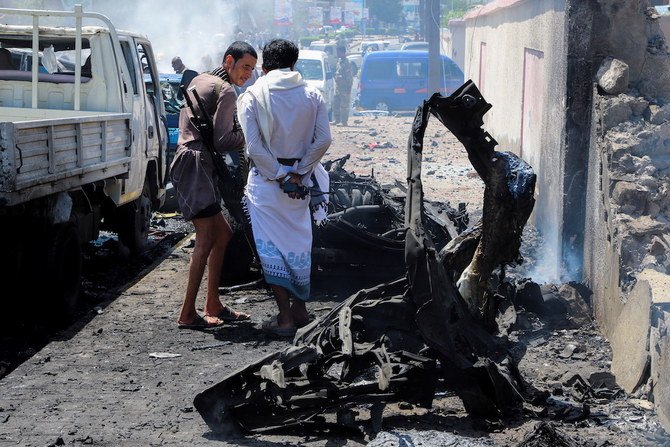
<point>280,53</point>
<point>238,49</point>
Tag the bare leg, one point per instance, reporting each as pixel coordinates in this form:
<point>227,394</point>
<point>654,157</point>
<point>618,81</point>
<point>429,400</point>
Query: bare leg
<point>222,233</point>
<point>299,313</point>
<point>285,317</point>
<point>204,241</point>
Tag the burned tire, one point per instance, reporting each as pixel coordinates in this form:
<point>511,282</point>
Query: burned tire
<point>343,198</point>
<point>356,197</point>
<point>63,270</point>
<point>367,198</point>
<point>133,221</point>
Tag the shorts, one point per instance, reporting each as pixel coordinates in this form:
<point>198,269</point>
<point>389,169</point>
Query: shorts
<point>211,210</point>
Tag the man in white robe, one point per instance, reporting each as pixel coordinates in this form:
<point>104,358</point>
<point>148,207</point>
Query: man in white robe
<point>285,123</point>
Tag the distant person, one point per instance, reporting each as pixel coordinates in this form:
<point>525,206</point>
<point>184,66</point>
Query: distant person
<point>344,80</point>
<point>187,74</point>
<point>285,123</point>
<point>194,179</point>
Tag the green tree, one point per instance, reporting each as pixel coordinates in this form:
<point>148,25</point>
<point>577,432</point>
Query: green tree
<point>453,9</point>
<point>389,11</point>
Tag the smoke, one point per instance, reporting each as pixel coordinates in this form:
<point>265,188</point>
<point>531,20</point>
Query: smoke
<point>198,31</point>
<point>194,31</point>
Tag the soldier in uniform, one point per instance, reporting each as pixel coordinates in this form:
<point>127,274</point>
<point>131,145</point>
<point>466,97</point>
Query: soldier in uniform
<point>344,79</point>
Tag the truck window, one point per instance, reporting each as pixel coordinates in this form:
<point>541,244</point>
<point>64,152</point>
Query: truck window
<point>147,70</point>
<point>56,62</point>
<point>128,55</point>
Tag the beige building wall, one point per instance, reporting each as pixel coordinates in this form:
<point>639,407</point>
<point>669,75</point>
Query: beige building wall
<point>453,42</point>
<point>515,51</point>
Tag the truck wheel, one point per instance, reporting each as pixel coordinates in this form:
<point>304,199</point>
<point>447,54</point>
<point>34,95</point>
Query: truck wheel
<point>63,269</point>
<point>134,221</point>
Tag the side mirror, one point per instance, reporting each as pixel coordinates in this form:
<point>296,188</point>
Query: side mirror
<point>329,75</point>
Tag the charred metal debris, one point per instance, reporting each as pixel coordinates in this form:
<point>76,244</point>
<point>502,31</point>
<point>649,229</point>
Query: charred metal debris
<point>396,341</point>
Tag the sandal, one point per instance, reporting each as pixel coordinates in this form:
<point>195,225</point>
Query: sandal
<point>228,314</point>
<point>199,322</point>
<point>271,326</point>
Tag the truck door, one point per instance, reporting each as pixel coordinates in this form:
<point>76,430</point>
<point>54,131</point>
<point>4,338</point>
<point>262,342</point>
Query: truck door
<point>139,130</point>
<point>157,134</point>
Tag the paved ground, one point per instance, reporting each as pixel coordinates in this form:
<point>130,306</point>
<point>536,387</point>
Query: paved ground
<point>105,381</point>
<point>126,376</point>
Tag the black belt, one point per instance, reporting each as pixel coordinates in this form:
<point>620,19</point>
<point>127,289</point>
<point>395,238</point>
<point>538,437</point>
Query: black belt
<point>287,161</point>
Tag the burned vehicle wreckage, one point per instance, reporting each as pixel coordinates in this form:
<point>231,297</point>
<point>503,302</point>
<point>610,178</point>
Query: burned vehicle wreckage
<point>397,341</point>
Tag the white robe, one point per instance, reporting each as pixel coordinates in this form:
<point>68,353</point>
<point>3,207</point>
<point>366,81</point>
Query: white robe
<point>282,117</point>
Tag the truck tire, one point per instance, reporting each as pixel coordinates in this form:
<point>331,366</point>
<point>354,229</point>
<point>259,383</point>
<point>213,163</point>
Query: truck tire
<point>133,222</point>
<point>63,270</point>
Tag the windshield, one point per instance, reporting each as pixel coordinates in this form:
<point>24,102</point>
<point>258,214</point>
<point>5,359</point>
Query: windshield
<point>310,69</point>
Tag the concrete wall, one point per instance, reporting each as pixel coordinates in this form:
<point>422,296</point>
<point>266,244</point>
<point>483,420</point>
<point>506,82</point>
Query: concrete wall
<point>453,42</point>
<point>516,52</point>
<point>537,63</point>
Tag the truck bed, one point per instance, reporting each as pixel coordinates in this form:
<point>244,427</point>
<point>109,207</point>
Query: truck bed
<point>44,151</point>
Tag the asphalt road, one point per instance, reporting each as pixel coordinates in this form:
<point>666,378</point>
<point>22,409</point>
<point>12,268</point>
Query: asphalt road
<point>124,375</point>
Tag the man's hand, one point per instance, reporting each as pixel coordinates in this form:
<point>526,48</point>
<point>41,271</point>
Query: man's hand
<point>293,178</point>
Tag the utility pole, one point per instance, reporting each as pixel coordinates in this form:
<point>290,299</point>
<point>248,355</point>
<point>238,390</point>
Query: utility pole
<point>432,26</point>
<point>364,19</point>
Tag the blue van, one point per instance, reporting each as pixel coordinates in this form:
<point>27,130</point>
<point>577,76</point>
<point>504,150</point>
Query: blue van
<point>398,80</point>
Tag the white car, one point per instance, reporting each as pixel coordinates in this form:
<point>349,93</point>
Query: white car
<point>315,68</point>
<point>357,60</point>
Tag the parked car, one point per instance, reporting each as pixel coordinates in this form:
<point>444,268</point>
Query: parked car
<point>420,46</point>
<point>315,68</point>
<point>398,80</point>
<point>357,60</point>
<point>374,45</point>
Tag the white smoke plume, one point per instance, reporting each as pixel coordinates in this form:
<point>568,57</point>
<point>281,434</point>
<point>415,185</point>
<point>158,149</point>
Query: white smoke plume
<point>198,31</point>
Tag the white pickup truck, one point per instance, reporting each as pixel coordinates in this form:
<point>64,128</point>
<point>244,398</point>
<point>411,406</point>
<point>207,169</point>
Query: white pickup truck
<point>82,147</point>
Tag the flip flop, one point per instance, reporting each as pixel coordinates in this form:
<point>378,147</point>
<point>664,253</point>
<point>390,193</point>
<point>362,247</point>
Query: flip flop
<point>199,322</point>
<point>228,314</point>
<point>271,326</point>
